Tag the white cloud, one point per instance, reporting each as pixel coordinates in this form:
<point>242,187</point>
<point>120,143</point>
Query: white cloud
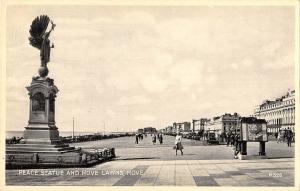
<point>153,83</point>
<point>117,61</point>
<point>271,48</point>
<point>144,117</point>
<point>187,72</point>
<point>133,100</point>
<point>247,62</point>
<point>285,61</point>
<point>139,17</point>
<point>110,113</point>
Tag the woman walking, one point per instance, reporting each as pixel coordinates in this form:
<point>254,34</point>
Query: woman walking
<point>178,143</point>
<point>154,139</point>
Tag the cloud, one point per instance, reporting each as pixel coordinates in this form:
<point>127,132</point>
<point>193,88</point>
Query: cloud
<point>133,100</point>
<point>144,117</point>
<point>81,33</point>
<point>285,61</point>
<point>187,73</point>
<point>153,83</point>
<point>271,48</point>
<point>110,113</point>
<point>171,63</point>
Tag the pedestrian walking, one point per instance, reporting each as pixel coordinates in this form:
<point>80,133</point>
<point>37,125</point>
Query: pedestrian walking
<point>227,138</point>
<point>223,137</point>
<point>136,139</point>
<point>178,144</point>
<point>231,139</point>
<point>237,146</point>
<point>154,140</point>
<point>206,136</point>
<point>279,137</point>
<point>160,139</point>
<point>289,136</point>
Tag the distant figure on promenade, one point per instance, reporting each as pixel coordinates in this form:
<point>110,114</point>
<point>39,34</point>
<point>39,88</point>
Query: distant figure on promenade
<point>154,139</point>
<point>141,136</point>
<point>227,138</point>
<point>136,139</point>
<point>178,143</point>
<point>289,136</point>
<point>237,146</point>
<point>232,137</point>
<point>223,137</point>
<point>160,139</point>
<point>279,137</point>
<point>276,135</point>
<point>205,136</point>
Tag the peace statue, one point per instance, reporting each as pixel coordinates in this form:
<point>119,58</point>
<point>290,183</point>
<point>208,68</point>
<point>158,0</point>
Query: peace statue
<point>39,38</point>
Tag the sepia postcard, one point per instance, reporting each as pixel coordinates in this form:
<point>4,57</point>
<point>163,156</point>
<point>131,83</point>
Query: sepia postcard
<point>198,95</point>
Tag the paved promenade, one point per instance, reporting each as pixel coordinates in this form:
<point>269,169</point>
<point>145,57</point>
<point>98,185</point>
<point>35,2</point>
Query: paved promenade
<point>145,164</point>
<point>271,172</point>
<point>193,150</point>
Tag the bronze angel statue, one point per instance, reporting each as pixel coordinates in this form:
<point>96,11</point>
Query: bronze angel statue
<point>39,37</point>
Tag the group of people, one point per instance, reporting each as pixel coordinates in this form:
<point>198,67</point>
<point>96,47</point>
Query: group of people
<point>283,135</point>
<point>231,138</point>
<point>158,137</point>
<point>155,137</point>
<point>138,137</point>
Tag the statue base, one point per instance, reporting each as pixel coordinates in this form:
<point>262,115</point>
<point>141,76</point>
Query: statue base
<point>41,146</point>
<point>27,156</point>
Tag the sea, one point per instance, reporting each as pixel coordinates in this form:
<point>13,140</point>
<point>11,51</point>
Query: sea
<point>10,134</point>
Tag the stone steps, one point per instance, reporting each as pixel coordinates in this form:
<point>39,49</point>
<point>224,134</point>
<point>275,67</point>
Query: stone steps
<point>36,145</point>
<point>34,148</point>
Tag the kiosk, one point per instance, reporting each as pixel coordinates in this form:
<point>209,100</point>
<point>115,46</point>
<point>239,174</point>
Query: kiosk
<point>253,130</point>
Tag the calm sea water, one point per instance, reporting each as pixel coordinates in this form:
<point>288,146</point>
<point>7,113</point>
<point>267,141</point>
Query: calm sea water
<point>10,134</point>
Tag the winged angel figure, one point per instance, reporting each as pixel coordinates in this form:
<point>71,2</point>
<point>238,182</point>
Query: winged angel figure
<point>40,37</point>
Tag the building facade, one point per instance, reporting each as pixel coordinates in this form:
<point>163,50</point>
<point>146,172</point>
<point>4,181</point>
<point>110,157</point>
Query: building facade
<point>169,129</point>
<point>279,113</point>
<point>223,123</point>
<point>140,131</point>
<point>198,124</point>
<point>181,127</point>
<point>150,130</point>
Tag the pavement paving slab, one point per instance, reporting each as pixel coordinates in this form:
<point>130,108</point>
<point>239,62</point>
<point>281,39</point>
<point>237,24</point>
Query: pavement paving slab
<point>157,165</point>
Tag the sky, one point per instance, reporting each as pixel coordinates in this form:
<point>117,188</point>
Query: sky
<point>120,68</point>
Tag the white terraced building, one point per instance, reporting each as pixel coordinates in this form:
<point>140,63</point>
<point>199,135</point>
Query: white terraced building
<point>279,113</point>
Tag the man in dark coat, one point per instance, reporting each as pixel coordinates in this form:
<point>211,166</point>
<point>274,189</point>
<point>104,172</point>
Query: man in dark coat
<point>289,136</point>
<point>227,138</point>
<point>136,139</point>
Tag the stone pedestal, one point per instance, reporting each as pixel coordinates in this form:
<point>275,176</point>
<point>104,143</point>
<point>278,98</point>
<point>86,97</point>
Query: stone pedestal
<point>41,134</point>
<point>41,145</point>
<point>41,128</point>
